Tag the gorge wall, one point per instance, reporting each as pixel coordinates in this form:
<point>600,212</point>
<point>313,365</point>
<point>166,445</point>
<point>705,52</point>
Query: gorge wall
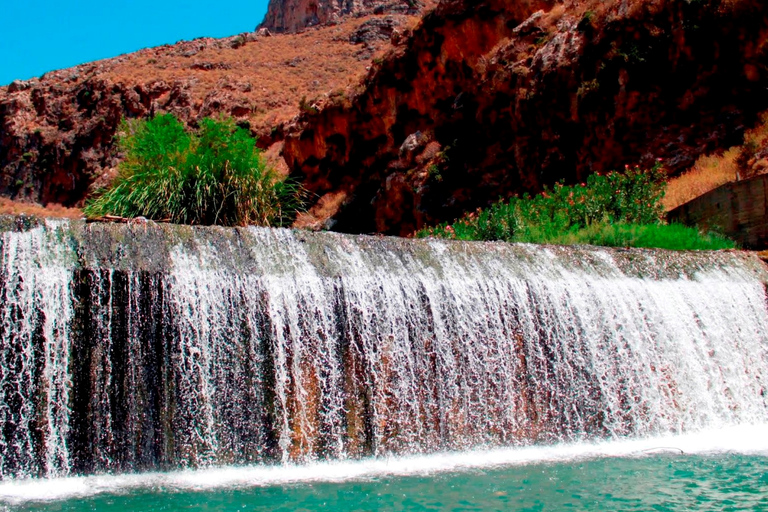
<point>492,98</point>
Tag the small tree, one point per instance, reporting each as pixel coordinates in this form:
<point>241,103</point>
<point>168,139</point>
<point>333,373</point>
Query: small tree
<point>213,176</point>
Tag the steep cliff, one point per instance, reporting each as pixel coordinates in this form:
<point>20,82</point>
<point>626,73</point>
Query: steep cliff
<point>492,98</point>
<point>295,15</point>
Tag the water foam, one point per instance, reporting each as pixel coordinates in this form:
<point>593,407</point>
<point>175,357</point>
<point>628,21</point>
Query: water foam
<point>744,439</point>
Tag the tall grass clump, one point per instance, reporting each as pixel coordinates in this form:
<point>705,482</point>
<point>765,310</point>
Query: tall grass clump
<point>707,173</point>
<point>713,170</point>
<point>615,209</point>
<point>215,175</point>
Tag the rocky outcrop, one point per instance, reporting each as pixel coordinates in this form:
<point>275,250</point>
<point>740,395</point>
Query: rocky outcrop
<point>753,156</point>
<point>508,97</point>
<point>295,15</point>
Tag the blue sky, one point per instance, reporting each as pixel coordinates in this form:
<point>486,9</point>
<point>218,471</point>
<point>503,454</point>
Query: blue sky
<point>42,35</point>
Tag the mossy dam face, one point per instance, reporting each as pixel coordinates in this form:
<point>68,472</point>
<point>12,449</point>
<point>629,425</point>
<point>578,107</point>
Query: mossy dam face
<point>129,348</point>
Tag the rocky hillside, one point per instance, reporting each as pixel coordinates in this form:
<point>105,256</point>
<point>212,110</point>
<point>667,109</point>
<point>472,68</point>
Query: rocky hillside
<point>56,132</point>
<point>492,98</point>
<point>296,15</point>
<point>395,121</point>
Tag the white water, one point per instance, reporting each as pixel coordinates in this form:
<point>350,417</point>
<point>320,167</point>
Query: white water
<point>746,440</point>
<point>35,304</point>
<point>275,346</point>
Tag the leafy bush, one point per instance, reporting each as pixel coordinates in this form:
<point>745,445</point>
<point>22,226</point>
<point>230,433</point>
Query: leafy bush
<point>662,236</point>
<point>213,176</point>
<point>616,209</point>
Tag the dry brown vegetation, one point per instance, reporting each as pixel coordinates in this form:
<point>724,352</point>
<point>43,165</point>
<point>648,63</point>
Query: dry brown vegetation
<point>714,170</point>
<point>259,79</point>
<point>10,207</point>
<point>272,76</point>
<point>755,142</point>
<point>708,173</point>
<point>269,74</point>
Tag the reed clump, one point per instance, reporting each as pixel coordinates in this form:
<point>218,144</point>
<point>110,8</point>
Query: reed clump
<point>619,209</point>
<point>215,175</point>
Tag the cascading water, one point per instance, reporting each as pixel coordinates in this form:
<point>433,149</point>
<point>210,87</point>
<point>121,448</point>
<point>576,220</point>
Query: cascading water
<point>128,348</point>
<point>34,369</point>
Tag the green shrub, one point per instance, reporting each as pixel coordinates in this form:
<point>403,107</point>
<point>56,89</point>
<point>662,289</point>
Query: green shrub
<point>307,107</point>
<point>663,236</point>
<point>213,176</point>
<point>616,209</point>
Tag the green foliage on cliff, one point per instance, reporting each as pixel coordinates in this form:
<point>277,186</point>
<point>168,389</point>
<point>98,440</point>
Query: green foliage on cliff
<point>619,209</point>
<point>213,176</point>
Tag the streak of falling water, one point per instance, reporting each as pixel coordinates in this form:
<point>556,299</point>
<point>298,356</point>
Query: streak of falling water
<point>34,352</point>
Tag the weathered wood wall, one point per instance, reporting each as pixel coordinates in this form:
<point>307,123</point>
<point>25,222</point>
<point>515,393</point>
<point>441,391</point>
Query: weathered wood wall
<point>738,210</point>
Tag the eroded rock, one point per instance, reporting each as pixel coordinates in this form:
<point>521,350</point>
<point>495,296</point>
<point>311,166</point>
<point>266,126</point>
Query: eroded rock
<point>296,15</point>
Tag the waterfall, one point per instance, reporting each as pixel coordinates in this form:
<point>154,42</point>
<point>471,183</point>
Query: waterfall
<point>132,348</point>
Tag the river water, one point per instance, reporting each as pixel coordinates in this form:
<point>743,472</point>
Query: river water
<point>712,470</point>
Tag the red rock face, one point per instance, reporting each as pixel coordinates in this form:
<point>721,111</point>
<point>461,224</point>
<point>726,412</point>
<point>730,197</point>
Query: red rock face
<point>296,15</point>
<point>47,162</point>
<point>488,99</point>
